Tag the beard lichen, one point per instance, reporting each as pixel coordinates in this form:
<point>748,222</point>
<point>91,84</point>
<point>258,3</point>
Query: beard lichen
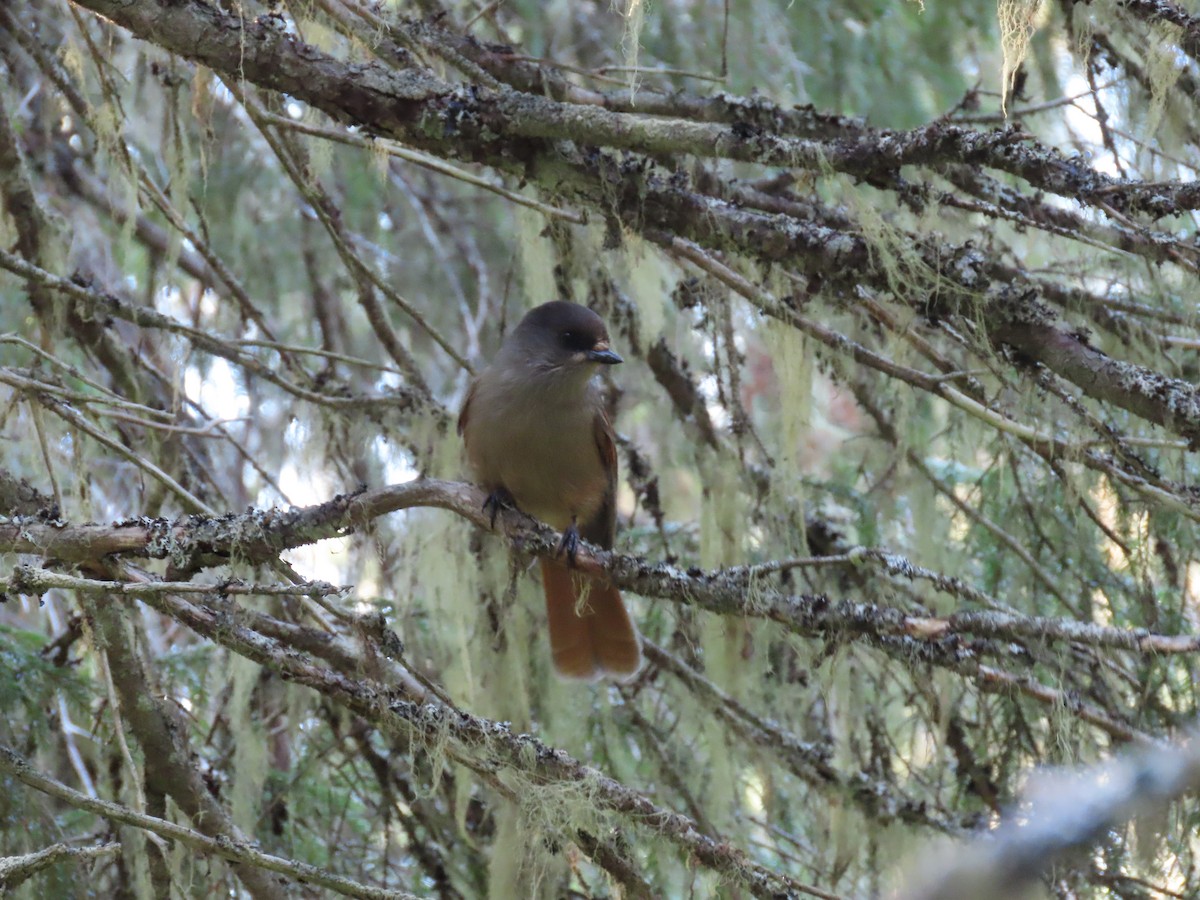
<point>1017,19</point>
<point>248,774</point>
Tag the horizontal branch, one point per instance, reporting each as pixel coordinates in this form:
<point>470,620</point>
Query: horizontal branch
<point>16,869</point>
<point>261,535</point>
<point>951,642</point>
<point>30,580</point>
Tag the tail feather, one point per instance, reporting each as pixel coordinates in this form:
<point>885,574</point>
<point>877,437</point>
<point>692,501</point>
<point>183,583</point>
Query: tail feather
<point>589,637</point>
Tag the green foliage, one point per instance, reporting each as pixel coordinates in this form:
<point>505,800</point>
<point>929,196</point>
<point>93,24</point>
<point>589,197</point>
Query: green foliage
<point>31,686</point>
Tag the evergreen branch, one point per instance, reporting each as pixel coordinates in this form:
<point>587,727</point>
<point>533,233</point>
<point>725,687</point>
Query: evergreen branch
<point>242,852</point>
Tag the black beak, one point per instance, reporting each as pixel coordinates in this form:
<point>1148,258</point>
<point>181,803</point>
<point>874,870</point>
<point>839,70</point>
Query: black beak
<point>601,354</point>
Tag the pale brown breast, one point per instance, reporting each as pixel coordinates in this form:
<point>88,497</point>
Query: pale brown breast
<point>539,446</point>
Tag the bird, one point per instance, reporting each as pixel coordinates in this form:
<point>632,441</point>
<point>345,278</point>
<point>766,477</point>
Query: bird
<point>538,437</point>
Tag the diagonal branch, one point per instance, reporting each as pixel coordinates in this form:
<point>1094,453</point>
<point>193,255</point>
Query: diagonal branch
<point>417,107</point>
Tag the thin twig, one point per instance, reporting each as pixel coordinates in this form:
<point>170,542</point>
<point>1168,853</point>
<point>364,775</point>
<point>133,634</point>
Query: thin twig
<point>15,766</point>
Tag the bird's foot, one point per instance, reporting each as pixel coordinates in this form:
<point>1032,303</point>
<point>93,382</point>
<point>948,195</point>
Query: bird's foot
<point>497,500</point>
<point>569,543</point>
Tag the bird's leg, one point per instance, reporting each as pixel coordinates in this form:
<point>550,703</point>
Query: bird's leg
<point>569,543</point>
<point>498,499</point>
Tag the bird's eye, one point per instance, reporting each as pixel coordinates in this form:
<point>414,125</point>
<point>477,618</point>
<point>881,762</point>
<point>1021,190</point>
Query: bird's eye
<point>576,341</point>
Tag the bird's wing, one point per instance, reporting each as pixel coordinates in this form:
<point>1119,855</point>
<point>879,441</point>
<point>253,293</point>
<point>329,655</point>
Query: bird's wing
<point>466,407</point>
<point>601,528</point>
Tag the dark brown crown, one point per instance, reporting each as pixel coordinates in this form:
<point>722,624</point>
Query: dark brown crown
<point>575,327</point>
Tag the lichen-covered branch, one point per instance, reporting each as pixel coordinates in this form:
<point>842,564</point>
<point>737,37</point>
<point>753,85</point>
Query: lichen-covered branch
<point>411,105</point>
<point>742,591</point>
<point>957,642</point>
<point>15,870</point>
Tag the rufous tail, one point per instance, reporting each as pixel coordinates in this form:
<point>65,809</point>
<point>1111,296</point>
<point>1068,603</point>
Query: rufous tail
<point>592,637</point>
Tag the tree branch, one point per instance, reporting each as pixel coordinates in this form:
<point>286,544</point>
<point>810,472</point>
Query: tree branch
<point>260,535</point>
<point>17,869</point>
<point>1061,812</point>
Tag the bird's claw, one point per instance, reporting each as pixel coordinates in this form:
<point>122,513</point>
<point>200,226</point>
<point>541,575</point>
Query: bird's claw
<point>497,500</point>
<point>569,543</point>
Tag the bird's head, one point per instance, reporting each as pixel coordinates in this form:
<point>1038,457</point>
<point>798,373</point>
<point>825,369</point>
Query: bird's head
<point>564,339</point>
